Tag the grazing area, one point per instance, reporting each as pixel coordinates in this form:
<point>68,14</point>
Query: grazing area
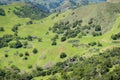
<point>81,43</point>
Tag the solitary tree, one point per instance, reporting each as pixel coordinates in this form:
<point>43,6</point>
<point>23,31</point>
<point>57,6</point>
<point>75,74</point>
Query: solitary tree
<point>63,55</point>
<point>35,51</point>
<point>63,39</point>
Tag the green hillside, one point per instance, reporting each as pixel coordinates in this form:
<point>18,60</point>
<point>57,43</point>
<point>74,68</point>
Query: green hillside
<point>30,47</point>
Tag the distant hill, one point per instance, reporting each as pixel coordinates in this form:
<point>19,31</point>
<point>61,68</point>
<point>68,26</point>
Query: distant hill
<point>56,5</point>
<point>102,14</point>
<point>113,1</point>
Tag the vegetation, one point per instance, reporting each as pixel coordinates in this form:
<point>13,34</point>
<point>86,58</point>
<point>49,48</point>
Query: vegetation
<point>75,29</point>
<point>34,12</point>
<point>1,29</point>
<point>35,51</point>
<point>62,46</point>
<point>116,36</point>
<point>79,68</point>
<point>2,12</point>
<point>16,44</point>
<point>63,55</point>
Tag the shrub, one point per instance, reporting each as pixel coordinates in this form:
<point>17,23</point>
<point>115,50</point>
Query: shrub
<point>39,39</point>
<point>30,66</point>
<point>98,28</point>
<point>25,58</point>
<point>35,51</point>
<point>92,43</point>
<point>29,38</point>
<point>25,43</point>
<point>21,54</point>
<point>63,39</point>
<point>99,44</point>
<point>6,55</point>
<point>2,12</point>
<point>1,29</point>
<point>26,54</point>
<point>63,55</point>
<point>15,28</point>
<point>16,44</point>
<point>54,43</point>
<point>116,36</point>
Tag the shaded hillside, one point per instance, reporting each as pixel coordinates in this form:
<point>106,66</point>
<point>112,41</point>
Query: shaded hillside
<point>103,14</point>
<point>31,11</point>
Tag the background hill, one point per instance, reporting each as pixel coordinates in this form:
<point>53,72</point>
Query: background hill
<point>114,1</point>
<point>56,5</point>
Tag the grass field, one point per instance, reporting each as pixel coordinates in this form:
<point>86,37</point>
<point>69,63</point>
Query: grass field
<point>47,55</point>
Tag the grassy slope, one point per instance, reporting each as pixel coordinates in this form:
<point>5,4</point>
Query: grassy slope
<point>105,39</point>
<point>45,49</point>
<point>39,29</point>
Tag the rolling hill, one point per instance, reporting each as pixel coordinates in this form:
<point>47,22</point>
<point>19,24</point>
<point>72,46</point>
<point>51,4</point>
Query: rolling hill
<point>81,43</point>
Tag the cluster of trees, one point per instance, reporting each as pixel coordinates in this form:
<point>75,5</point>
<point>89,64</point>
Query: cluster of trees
<point>16,44</point>
<point>30,11</point>
<point>104,66</point>
<point>94,43</point>
<point>5,39</point>
<point>72,30</point>
<point>54,40</point>
<point>66,29</point>
<point>15,41</point>
<point>2,12</point>
<point>116,36</point>
<point>9,40</point>
<point>15,29</point>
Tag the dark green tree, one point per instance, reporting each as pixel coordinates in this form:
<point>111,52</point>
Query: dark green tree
<point>2,12</point>
<point>63,39</point>
<point>63,55</point>
<point>35,51</point>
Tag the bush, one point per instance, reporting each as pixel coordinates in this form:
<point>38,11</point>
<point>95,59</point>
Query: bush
<point>92,43</point>
<point>30,66</point>
<point>99,44</point>
<point>16,44</point>
<point>21,54</point>
<point>97,34</point>
<point>6,55</point>
<point>116,36</point>
<point>98,28</point>
<point>26,54</point>
<point>29,38</point>
<point>63,55</point>
<point>1,29</point>
<point>35,51</point>
<point>2,12</point>
<point>63,39</point>
<point>14,28</point>
<point>25,58</point>
<point>39,39</point>
<point>25,43</point>
<point>54,43</point>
